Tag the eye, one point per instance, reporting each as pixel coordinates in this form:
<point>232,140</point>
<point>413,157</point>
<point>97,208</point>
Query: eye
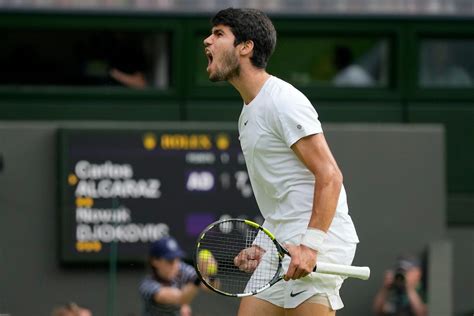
<point>218,33</point>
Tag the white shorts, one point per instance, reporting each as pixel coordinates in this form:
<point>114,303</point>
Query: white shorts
<point>290,294</point>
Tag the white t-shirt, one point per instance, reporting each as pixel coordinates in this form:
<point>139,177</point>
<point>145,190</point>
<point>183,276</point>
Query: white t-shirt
<point>277,118</point>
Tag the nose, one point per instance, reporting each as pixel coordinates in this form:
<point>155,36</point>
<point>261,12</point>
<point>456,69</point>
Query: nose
<point>207,41</point>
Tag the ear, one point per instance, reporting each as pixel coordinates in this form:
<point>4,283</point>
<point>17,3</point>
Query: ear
<point>154,262</point>
<point>246,47</point>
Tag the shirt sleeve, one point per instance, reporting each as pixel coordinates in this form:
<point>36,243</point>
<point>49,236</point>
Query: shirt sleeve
<point>188,273</point>
<point>296,118</point>
<point>148,287</point>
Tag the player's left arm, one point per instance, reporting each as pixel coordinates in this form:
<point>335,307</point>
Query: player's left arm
<point>314,153</point>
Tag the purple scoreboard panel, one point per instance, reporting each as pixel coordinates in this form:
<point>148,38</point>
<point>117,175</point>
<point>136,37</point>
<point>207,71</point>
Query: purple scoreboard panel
<point>133,186</point>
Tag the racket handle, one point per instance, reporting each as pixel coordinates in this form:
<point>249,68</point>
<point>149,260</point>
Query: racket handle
<point>362,273</point>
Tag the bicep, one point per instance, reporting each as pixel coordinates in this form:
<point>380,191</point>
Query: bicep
<point>314,153</point>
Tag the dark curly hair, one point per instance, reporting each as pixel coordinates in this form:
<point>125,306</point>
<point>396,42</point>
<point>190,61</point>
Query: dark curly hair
<point>253,25</point>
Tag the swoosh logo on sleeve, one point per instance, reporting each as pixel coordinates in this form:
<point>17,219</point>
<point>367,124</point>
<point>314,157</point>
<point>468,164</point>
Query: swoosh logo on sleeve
<point>297,293</point>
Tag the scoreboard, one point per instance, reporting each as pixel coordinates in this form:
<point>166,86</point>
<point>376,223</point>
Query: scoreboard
<point>130,187</point>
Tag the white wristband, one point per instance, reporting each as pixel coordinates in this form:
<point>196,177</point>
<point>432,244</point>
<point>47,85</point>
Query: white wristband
<point>314,239</point>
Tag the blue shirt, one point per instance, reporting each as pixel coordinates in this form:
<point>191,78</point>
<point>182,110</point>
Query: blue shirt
<point>149,286</point>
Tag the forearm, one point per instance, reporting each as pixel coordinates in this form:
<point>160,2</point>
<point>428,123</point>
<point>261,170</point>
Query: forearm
<point>135,80</point>
<point>188,292</point>
<point>170,295</point>
<point>186,310</point>
<point>379,301</point>
<point>326,197</point>
<point>417,305</point>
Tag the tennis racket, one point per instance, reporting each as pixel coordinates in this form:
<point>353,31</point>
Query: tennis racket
<point>237,257</point>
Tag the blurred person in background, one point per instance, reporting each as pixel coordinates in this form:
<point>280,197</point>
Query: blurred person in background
<point>71,309</point>
<point>440,68</point>
<point>402,292</point>
<point>172,284</point>
<point>349,73</point>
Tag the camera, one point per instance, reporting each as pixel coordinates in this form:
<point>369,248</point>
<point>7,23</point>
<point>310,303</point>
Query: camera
<point>402,266</point>
<point>399,277</point>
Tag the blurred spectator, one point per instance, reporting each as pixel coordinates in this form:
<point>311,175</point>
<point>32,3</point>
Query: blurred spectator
<point>439,67</point>
<point>349,73</point>
<point>127,60</point>
<point>402,293</point>
<point>71,309</point>
<point>172,284</point>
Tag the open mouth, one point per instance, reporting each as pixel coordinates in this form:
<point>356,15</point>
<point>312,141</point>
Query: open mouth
<point>209,57</point>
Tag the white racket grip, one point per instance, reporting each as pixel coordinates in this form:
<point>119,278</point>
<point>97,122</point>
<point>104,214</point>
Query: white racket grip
<point>362,273</point>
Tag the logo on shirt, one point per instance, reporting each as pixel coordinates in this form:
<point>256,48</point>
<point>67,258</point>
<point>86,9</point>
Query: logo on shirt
<point>245,123</point>
<point>298,126</point>
<point>297,293</point>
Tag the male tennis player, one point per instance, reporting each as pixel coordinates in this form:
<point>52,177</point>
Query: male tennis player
<point>296,181</point>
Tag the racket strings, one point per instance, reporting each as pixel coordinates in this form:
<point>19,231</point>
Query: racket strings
<point>230,243</point>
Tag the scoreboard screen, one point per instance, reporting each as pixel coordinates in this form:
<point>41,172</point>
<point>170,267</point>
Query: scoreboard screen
<point>130,187</point>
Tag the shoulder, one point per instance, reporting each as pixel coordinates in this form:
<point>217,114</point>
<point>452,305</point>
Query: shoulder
<point>148,279</point>
<point>187,271</point>
<point>287,100</point>
<point>148,286</point>
<point>285,97</point>
<point>458,75</point>
<point>281,92</point>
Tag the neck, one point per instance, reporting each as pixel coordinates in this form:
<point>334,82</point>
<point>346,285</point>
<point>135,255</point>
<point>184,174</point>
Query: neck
<point>249,82</point>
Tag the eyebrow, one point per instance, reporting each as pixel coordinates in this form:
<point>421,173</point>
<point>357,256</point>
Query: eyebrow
<point>217,29</point>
